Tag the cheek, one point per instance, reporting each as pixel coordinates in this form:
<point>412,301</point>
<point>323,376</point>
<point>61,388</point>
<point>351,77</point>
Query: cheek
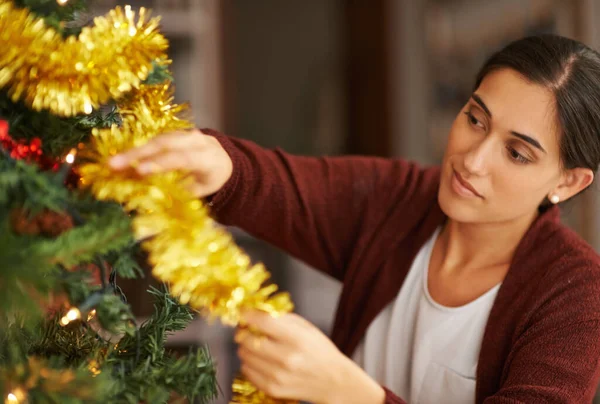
<point>459,138</point>
<point>453,138</point>
<point>518,185</point>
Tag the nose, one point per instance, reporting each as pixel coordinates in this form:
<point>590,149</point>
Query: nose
<point>479,157</point>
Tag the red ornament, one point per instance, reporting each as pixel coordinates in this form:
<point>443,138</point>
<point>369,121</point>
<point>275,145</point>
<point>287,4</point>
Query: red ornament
<point>3,128</point>
<point>28,151</point>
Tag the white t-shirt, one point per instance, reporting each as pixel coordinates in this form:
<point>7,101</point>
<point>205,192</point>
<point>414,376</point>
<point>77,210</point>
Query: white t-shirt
<point>422,351</point>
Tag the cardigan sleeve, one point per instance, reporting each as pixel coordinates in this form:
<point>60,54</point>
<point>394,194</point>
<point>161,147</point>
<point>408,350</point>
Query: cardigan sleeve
<point>314,208</point>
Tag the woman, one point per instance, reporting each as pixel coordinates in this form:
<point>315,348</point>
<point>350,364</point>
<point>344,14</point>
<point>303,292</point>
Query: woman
<point>460,284</point>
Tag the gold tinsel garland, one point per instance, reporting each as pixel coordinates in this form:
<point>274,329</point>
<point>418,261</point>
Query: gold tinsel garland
<point>74,75</point>
<point>187,249</point>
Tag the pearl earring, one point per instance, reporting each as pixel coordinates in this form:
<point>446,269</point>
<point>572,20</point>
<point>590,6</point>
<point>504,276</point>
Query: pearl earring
<point>555,199</point>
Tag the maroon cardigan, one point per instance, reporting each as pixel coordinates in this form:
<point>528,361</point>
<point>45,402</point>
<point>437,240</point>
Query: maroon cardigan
<point>363,220</point>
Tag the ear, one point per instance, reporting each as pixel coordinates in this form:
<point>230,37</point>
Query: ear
<point>574,181</point>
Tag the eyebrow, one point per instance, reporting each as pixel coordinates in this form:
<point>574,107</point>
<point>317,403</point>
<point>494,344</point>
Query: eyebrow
<point>479,101</point>
<point>532,141</point>
<point>529,140</point>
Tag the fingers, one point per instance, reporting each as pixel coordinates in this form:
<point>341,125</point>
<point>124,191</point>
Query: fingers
<point>202,156</point>
<point>283,328</point>
<point>161,163</point>
<point>266,364</point>
<point>254,376</point>
<point>267,382</point>
<point>259,355</point>
<point>157,146</point>
<point>257,346</point>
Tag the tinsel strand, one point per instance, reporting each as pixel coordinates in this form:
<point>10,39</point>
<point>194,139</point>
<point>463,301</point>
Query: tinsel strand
<point>74,75</point>
<point>197,258</point>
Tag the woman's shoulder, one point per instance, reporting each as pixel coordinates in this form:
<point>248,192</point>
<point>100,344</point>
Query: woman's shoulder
<point>568,251</point>
<point>552,245</point>
<point>567,271</point>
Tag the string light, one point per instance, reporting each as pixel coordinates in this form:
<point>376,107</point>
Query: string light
<point>72,315</point>
<point>11,398</point>
<point>94,368</point>
<point>70,159</point>
<point>62,2</point>
<point>91,315</point>
<point>16,396</point>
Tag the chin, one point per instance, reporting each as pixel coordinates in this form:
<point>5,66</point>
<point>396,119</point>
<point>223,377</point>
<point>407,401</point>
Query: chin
<point>457,208</point>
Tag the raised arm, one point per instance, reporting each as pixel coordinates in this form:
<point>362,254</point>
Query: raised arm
<point>313,208</point>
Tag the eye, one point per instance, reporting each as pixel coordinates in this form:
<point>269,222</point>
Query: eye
<point>516,156</point>
<point>473,121</point>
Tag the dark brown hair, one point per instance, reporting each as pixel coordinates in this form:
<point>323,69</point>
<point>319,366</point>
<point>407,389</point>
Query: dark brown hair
<point>571,70</point>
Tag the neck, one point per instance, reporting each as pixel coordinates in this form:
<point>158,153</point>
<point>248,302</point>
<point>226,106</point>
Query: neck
<point>471,246</point>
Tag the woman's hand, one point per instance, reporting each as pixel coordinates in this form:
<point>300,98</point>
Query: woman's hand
<point>292,359</point>
<point>194,152</point>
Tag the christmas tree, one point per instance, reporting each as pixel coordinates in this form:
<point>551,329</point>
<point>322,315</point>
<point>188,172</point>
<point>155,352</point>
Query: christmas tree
<point>74,93</point>
<point>67,334</point>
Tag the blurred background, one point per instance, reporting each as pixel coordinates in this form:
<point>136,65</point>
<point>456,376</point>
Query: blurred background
<point>374,77</point>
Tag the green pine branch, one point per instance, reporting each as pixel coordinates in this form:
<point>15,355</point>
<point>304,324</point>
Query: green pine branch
<point>57,15</point>
<point>169,316</point>
<point>130,370</point>
<point>58,134</point>
<point>31,264</point>
<point>191,377</point>
<point>103,232</point>
<point>77,345</point>
<point>51,363</point>
<point>154,373</point>
<point>23,185</point>
<point>22,276</point>
<point>126,262</point>
<point>159,74</point>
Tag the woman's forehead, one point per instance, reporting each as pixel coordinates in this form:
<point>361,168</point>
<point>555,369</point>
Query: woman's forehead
<point>519,105</point>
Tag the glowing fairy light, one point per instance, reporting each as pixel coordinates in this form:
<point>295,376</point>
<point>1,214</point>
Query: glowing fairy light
<point>11,398</point>
<point>70,159</point>
<point>72,315</point>
<point>15,396</point>
<point>62,2</point>
<point>94,368</point>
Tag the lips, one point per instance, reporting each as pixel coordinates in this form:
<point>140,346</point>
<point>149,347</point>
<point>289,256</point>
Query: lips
<point>463,187</point>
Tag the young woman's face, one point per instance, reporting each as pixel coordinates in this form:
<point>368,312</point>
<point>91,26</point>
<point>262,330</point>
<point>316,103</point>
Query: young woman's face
<point>502,157</point>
